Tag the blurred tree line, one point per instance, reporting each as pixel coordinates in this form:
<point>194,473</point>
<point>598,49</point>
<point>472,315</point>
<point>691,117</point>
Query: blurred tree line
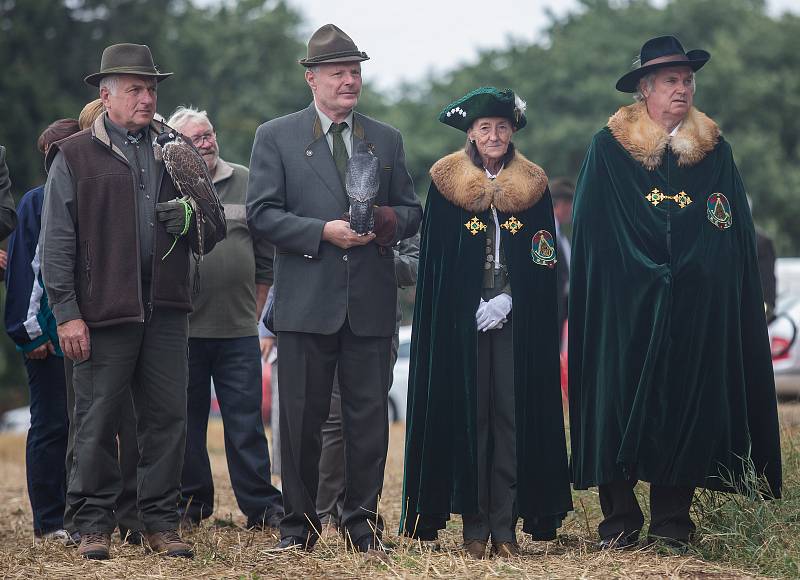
<point>238,60</point>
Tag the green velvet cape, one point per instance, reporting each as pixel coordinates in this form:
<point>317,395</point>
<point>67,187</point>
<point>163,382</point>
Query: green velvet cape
<point>670,375</point>
<point>441,454</point>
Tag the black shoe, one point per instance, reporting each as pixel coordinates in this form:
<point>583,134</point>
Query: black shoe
<point>672,545</point>
<point>621,542</point>
<point>263,523</point>
<point>293,543</point>
<point>131,537</point>
<point>371,547</point>
<point>368,542</point>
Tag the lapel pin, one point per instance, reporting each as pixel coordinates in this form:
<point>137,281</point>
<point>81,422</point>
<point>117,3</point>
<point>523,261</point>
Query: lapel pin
<point>309,153</point>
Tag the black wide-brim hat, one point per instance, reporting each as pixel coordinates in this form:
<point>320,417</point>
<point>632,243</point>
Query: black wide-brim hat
<point>126,59</point>
<point>331,44</point>
<point>661,52</point>
<point>484,102</point>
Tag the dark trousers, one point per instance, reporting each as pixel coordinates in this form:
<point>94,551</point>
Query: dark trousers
<point>46,445</point>
<point>235,366</point>
<point>307,366</point>
<point>496,440</point>
<point>125,511</point>
<point>149,359</point>
<point>330,493</point>
<point>622,516</point>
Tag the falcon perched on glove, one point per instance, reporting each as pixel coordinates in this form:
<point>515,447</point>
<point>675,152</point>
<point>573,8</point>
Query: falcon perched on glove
<point>190,176</point>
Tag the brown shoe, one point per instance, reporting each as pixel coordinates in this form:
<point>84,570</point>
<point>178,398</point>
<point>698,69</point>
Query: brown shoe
<point>94,545</point>
<point>505,549</point>
<point>168,542</point>
<point>475,548</point>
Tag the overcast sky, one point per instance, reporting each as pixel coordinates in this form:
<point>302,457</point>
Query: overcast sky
<point>442,34</point>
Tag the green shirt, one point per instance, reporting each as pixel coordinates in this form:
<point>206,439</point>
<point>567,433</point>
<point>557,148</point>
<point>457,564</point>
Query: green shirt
<point>226,304</point>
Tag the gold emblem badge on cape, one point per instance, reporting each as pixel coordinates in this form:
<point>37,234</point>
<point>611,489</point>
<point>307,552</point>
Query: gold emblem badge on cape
<point>513,225</point>
<point>475,225</point>
<point>718,211</point>
<point>657,196</point>
<point>543,249</point>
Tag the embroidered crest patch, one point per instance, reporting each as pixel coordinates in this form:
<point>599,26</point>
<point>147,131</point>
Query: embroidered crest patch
<point>475,225</point>
<point>512,224</point>
<point>718,211</point>
<point>543,249</point>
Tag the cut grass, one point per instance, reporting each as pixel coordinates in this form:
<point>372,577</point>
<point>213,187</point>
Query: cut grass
<point>737,538</point>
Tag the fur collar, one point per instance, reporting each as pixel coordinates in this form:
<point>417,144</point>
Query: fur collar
<point>646,141</point>
<point>519,186</point>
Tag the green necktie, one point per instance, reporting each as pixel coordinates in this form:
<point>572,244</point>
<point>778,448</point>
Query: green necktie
<point>339,149</point>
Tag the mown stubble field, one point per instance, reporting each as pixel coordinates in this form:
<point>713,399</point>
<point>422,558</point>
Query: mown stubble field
<point>737,539</point>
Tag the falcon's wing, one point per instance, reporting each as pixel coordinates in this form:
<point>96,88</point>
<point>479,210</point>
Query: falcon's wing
<point>190,176</point>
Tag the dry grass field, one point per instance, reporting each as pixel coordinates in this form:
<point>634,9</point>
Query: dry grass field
<point>737,539</point>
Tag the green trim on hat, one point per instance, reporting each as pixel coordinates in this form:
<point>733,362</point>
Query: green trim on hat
<point>484,102</point>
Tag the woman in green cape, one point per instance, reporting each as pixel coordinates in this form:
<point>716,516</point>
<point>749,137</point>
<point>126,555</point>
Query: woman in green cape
<point>485,430</point>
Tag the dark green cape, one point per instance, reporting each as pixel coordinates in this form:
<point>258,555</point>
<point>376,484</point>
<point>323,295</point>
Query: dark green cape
<point>441,456</point>
<point>670,375</point>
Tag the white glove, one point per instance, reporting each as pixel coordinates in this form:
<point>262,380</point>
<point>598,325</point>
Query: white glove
<point>494,313</point>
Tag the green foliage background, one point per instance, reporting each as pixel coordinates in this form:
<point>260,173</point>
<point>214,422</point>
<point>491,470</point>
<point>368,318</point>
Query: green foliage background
<point>239,62</point>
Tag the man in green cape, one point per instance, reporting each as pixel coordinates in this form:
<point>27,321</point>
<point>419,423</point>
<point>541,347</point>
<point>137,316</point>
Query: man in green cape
<point>670,377</point>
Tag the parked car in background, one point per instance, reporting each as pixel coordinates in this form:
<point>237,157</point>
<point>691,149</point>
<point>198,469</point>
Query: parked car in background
<point>398,394</point>
<point>783,338</point>
<point>16,420</point>
<point>783,330</point>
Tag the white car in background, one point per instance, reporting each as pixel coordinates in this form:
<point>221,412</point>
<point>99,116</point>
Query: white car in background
<point>784,329</point>
<point>399,391</point>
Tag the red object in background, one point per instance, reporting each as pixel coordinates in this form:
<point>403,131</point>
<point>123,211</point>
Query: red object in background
<point>780,348</point>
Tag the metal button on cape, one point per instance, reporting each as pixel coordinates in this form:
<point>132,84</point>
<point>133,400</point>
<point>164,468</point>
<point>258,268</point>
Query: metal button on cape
<point>344,257</point>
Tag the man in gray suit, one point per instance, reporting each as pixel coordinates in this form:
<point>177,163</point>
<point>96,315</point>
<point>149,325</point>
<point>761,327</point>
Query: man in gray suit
<point>335,291</point>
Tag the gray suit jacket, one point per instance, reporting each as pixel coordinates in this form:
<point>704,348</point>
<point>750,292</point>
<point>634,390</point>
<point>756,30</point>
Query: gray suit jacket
<point>8,217</point>
<point>294,190</point>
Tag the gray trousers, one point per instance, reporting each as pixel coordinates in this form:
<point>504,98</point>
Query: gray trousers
<point>496,440</point>
<point>330,493</point>
<point>125,510</point>
<point>149,359</point>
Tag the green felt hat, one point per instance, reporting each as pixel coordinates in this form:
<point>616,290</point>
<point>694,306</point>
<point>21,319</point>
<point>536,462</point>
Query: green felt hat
<point>331,44</point>
<point>126,59</point>
<point>484,102</point>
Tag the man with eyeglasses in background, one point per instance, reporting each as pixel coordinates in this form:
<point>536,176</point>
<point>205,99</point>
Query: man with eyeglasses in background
<point>224,345</point>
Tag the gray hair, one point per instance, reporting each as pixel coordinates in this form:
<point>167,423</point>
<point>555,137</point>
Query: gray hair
<point>110,83</point>
<point>184,115</point>
<point>648,81</point>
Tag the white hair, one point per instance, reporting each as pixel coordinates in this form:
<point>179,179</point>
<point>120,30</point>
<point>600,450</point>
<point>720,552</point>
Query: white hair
<point>648,82</point>
<point>185,115</point>
<point>110,83</point>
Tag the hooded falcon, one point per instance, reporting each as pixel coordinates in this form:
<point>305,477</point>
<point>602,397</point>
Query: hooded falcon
<point>362,183</point>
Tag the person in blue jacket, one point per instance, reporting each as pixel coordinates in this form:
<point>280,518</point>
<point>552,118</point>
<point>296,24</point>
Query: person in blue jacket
<point>31,325</point>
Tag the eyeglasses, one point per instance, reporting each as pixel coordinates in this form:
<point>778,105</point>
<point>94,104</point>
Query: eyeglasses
<point>209,136</point>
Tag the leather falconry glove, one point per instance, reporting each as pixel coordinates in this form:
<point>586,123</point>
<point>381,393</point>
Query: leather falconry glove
<point>494,314</point>
<point>385,227</point>
<point>175,215</point>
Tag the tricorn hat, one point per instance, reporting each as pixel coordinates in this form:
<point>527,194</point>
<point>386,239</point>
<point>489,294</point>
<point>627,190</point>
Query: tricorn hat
<point>331,44</point>
<point>660,52</point>
<point>126,59</point>
<point>484,102</point>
